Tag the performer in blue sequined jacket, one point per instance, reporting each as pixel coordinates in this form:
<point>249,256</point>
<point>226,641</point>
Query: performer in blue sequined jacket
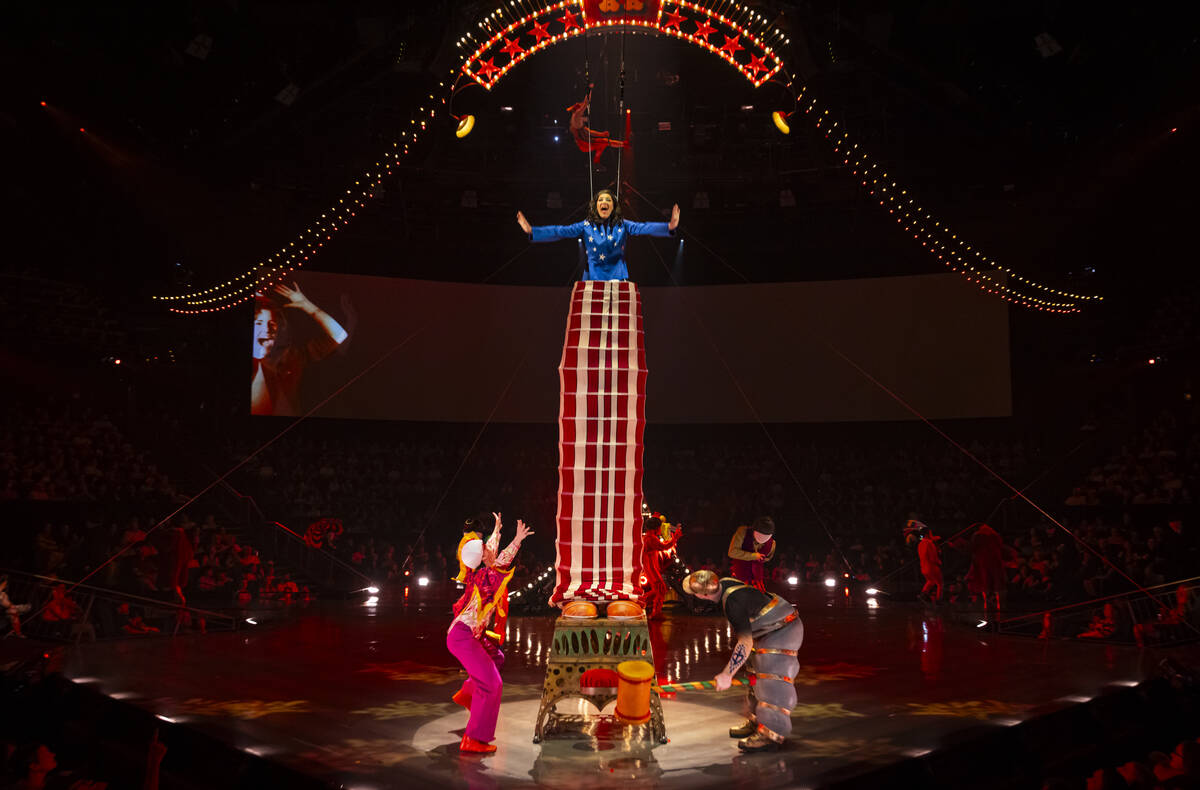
<point>604,233</point>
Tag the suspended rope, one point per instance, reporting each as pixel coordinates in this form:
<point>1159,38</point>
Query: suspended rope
<point>587,80</point>
<point>621,112</point>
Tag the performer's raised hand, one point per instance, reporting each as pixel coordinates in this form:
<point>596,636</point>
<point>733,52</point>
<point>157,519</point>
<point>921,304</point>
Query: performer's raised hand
<point>522,531</point>
<point>674,223</point>
<point>292,297</point>
<point>723,681</point>
<point>499,521</point>
<point>524,223</point>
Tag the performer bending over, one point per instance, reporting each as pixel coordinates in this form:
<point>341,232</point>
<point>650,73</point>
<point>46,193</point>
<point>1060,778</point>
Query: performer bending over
<point>750,549</point>
<point>654,550</point>
<point>486,576</point>
<point>603,234</point>
<point>770,632</point>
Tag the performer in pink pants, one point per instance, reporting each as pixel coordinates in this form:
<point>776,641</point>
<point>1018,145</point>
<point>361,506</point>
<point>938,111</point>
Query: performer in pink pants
<point>477,648</point>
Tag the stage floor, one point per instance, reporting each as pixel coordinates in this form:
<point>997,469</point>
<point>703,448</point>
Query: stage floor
<point>360,696</point>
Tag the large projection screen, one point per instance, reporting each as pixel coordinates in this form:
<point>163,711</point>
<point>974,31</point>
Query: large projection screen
<point>454,352</point>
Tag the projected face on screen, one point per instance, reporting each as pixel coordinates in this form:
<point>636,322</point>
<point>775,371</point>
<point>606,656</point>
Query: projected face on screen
<point>282,350</point>
<point>428,351</point>
<point>266,329</point>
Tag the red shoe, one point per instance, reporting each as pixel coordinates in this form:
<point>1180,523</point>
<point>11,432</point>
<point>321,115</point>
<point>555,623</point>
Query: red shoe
<point>475,747</point>
<point>462,697</point>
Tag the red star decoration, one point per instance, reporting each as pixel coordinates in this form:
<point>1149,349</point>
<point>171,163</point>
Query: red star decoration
<point>731,45</point>
<point>539,32</point>
<point>512,48</point>
<point>673,20</point>
<point>704,30</point>
<point>568,21</point>
<point>487,68</point>
<point>756,63</point>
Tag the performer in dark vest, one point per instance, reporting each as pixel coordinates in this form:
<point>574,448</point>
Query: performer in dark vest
<point>750,550</point>
<point>769,634</point>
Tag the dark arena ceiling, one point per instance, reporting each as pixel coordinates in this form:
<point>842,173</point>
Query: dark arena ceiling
<point>1054,134</point>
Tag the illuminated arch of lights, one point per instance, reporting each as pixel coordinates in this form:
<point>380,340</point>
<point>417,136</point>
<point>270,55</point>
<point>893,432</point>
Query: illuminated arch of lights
<point>739,35</point>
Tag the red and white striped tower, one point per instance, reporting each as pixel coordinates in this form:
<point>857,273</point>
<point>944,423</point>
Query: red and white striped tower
<point>602,419</point>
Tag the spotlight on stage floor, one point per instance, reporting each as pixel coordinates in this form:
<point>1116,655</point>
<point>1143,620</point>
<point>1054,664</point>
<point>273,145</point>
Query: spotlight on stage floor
<point>793,581</point>
<point>422,581</point>
<point>831,582</point>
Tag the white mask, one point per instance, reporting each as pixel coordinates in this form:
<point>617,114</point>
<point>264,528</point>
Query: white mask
<point>761,538</point>
<point>472,554</point>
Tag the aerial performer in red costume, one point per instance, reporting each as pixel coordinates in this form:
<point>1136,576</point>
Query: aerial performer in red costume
<point>604,233</point>
<point>655,550</point>
<point>485,574</point>
<point>588,139</point>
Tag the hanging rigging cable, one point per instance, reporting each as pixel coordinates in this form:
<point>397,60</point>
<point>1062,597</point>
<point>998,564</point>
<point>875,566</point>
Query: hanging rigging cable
<point>621,111</point>
<point>587,80</point>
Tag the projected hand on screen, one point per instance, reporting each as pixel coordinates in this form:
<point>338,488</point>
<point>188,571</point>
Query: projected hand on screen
<point>278,363</point>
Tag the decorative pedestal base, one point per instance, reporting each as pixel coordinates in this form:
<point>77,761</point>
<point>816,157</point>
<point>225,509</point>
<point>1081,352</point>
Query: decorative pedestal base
<point>600,643</point>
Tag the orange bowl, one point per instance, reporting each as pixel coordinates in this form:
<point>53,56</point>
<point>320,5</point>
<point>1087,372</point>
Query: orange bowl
<point>624,609</point>
<point>579,609</point>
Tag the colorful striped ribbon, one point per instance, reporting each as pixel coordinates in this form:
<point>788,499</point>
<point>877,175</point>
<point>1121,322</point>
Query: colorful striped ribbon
<point>702,685</point>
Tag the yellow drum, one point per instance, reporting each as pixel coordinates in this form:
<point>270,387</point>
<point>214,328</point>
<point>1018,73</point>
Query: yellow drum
<point>634,679</point>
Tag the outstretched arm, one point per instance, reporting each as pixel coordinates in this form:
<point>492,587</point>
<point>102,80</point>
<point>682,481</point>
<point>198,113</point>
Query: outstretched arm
<point>540,233</point>
<point>510,552</point>
<point>295,299</point>
<point>660,229</point>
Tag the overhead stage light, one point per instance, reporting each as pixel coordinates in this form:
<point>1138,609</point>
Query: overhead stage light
<point>831,582</point>
<point>465,125</point>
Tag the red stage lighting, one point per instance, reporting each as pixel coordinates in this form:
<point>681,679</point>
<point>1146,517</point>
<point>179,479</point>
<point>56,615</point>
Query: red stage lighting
<point>44,104</point>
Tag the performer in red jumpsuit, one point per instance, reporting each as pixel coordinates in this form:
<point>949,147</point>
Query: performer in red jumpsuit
<point>986,576</point>
<point>654,552</point>
<point>931,566</point>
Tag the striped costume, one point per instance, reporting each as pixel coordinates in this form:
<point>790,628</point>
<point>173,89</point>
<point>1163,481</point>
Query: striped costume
<point>778,633</point>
